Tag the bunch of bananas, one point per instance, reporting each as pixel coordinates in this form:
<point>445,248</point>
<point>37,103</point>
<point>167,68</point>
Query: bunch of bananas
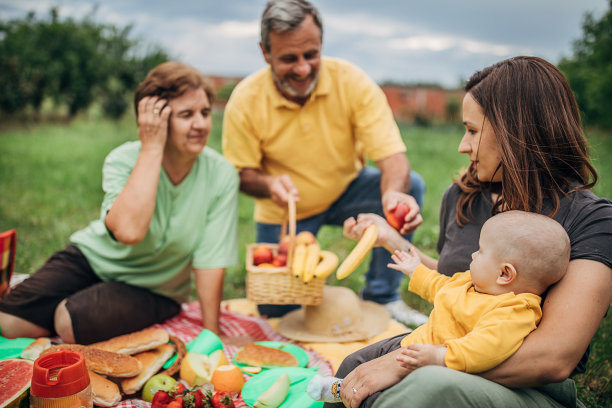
<point>309,261</point>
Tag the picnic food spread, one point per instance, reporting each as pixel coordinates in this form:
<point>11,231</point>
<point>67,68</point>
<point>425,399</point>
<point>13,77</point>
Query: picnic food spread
<point>107,370</point>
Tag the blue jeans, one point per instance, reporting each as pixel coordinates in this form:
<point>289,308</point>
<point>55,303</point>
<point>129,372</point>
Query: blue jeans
<point>361,196</point>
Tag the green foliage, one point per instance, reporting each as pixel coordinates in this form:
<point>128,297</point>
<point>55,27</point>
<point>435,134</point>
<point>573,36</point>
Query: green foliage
<point>73,63</point>
<point>224,93</point>
<point>589,70</point>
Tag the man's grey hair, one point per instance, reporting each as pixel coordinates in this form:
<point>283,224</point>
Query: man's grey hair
<point>286,15</point>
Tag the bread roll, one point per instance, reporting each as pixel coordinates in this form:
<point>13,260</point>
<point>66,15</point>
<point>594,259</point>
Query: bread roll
<point>105,392</point>
<point>134,343</point>
<point>103,362</point>
<point>152,361</point>
<point>33,351</point>
<point>258,355</point>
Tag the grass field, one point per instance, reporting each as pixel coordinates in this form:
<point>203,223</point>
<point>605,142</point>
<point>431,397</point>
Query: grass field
<point>50,177</point>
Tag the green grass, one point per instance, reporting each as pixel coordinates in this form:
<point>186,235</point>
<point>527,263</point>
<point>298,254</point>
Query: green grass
<point>50,183</point>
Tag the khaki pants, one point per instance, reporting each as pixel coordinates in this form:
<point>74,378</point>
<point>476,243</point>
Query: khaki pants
<point>435,386</point>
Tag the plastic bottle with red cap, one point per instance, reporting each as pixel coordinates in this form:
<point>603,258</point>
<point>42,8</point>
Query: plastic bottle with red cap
<point>60,380</point>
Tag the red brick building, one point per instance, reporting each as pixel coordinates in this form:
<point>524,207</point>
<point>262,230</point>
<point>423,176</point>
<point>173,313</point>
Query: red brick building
<point>412,103</point>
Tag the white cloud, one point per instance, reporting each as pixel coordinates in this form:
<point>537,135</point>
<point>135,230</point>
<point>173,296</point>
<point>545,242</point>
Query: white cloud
<point>238,29</point>
<point>360,24</point>
<point>438,43</point>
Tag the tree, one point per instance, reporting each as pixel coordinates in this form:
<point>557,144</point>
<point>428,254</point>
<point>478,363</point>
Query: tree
<point>74,63</point>
<point>589,70</point>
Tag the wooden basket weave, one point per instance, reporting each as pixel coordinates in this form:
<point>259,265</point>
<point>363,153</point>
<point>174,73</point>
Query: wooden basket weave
<point>278,286</point>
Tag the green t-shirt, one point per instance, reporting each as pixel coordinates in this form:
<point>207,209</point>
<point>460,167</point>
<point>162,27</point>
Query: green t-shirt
<point>194,226</point>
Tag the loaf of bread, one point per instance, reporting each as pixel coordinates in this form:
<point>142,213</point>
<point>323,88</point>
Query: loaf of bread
<point>152,361</point>
<point>34,350</point>
<point>103,362</point>
<point>105,392</point>
<point>134,343</point>
<point>258,355</point>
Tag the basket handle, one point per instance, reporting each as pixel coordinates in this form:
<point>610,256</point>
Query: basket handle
<point>289,227</point>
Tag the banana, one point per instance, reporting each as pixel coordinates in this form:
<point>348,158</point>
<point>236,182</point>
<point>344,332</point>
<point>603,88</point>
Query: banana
<point>299,260</point>
<point>312,259</point>
<point>328,264</point>
<point>358,254</point>
<point>275,395</point>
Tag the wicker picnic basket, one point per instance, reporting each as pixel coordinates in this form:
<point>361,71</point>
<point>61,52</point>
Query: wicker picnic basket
<point>278,286</point>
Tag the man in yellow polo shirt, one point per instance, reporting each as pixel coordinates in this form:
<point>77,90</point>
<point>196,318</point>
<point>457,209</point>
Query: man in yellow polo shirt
<point>303,126</point>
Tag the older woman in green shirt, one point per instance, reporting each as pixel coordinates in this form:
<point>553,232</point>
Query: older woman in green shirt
<point>169,215</point>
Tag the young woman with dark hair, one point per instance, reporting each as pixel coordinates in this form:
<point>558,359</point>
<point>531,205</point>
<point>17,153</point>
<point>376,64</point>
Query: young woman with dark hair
<point>527,152</point>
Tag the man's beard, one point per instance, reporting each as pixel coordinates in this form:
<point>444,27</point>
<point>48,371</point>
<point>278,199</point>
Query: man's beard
<point>285,87</point>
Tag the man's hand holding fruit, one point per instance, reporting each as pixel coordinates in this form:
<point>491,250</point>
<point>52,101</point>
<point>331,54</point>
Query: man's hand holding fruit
<point>401,211</point>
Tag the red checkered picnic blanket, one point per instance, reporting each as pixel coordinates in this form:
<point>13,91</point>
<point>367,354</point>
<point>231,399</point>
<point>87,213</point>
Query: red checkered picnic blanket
<point>188,324</point>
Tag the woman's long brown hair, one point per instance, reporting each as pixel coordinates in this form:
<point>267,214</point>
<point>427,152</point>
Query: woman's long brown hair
<point>536,122</point>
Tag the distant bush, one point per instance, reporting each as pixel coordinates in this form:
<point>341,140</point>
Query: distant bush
<point>73,63</point>
<point>589,70</point>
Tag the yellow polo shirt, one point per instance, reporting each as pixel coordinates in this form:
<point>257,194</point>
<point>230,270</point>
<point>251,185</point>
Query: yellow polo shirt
<point>320,145</point>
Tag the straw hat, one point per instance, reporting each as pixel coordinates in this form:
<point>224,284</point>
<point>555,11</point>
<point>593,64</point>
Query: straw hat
<point>340,317</point>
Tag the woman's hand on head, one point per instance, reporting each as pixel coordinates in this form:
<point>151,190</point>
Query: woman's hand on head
<point>354,228</point>
<point>153,114</point>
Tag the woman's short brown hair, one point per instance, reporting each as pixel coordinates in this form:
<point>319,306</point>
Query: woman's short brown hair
<point>170,80</point>
<point>534,116</point>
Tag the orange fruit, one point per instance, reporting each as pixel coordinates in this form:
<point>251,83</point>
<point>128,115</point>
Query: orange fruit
<point>227,378</point>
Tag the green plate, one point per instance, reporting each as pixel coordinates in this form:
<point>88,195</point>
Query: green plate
<point>297,397</point>
<point>298,353</point>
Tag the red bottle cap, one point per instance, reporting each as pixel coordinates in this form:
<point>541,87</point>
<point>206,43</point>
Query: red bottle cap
<point>59,374</point>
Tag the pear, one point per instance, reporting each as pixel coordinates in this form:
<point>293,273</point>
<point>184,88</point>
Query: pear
<point>275,395</point>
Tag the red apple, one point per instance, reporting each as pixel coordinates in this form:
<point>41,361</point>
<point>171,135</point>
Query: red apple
<point>395,217</point>
<point>280,260</point>
<point>262,254</point>
<point>283,246</point>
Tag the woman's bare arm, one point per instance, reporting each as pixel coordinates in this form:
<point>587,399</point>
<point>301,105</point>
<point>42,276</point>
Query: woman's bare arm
<point>572,312</point>
<point>131,212</point>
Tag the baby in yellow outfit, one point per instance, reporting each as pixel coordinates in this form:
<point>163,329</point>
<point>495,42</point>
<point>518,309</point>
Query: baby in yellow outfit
<point>481,316</point>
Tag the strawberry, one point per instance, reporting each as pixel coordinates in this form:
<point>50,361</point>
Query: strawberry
<point>198,398</point>
<point>175,404</point>
<point>193,398</point>
<point>161,399</point>
<point>222,400</point>
<point>178,389</point>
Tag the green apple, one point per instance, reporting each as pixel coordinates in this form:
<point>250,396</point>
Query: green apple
<point>156,383</point>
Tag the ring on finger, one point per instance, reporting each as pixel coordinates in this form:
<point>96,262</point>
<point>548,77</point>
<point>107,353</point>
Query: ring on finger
<point>156,111</point>
<point>354,390</point>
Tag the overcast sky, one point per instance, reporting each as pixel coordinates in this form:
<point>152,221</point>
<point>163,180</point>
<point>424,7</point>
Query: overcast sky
<point>442,41</point>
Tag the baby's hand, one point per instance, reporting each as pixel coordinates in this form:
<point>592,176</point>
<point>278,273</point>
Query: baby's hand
<point>414,356</point>
<point>405,262</point>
